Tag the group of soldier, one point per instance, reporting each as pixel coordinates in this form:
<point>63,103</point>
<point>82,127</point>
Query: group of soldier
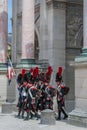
<point>36,93</point>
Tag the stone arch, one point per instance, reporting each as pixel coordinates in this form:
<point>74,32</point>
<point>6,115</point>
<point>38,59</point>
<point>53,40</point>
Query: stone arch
<point>37,41</point>
<point>79,37</point>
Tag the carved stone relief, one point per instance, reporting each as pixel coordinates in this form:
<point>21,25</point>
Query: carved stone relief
<point>56,4</point>
<point>74,22</point>
<point>59,5</point>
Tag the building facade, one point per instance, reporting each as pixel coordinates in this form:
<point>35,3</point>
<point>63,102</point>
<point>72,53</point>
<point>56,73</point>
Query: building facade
<point>48,32</point>
<point>58,36</point>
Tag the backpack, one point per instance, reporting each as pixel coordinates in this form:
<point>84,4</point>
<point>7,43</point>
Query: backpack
<point>66,90</point>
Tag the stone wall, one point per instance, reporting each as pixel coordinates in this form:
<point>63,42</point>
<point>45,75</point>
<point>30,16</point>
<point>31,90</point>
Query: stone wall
<point>74,37</point>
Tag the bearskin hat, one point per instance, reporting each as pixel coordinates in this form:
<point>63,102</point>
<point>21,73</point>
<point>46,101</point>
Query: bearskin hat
<point>50,70</point>
<point>35,71</point>
<point>48,74</point>
<point>31,70</point>
<point>19,78</point>
<point>42,76</point>
<point>23,71</point>
<point>60,71</point>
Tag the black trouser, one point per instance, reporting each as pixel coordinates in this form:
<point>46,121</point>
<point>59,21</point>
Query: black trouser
<point>59,113</point>
<point>60,109</point>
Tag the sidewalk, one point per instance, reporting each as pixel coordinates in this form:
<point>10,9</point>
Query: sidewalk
<point>10,122</point>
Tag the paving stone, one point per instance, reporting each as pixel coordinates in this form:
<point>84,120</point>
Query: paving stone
<point>10,122</point>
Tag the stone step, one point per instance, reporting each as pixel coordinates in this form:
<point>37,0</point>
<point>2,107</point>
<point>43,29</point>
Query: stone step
<point>8,107</point>
<point>78,118</point>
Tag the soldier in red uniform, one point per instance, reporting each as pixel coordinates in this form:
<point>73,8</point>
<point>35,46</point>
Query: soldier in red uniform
<point>20,79</point>
<point>48,74</point>
<point>60,94</point>
<point>50,93</point>
<point>59,75</point>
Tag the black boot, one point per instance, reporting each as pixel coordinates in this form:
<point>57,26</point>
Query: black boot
<point>59,115</point>
<point>31,115</point>
<point>18,115</point>
<point>23,113</point>
<point>36,115</point>
<point>65,115</point>
<point>27,117</point>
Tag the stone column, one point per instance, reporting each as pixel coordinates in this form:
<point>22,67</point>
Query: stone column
<point>3,31</point>
<point>79,114</point>
<point>52,33</point>
<point>3,48</point>
<point>14,32</point>
<point>84,50</point>
<point>56,34</point>
<point>85,24</point>
<point>28,30</point>
<point>28,48</point>
<point>43,55</point>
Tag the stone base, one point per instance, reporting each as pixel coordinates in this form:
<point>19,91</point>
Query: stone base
<point>11,90</point>
<point>69,105</point>
<point>48,117</point>
<point>8,108</point>
<point>27,63</point>
<point>78,117</point>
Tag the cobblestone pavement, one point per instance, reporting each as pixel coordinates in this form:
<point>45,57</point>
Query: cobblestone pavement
<point>11,122</point>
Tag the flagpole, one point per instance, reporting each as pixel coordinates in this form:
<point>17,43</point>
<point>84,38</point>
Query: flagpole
<point>10,69</point>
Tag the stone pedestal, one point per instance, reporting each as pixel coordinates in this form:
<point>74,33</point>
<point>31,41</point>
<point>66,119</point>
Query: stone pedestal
<point>48,117</point>
<point>7,92</point>
<point>11,90</point>
<point>8,103</point>
<point>8,107</point>
<point>3,85</point>
<point>78,117</point>
<point>79,114</point>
